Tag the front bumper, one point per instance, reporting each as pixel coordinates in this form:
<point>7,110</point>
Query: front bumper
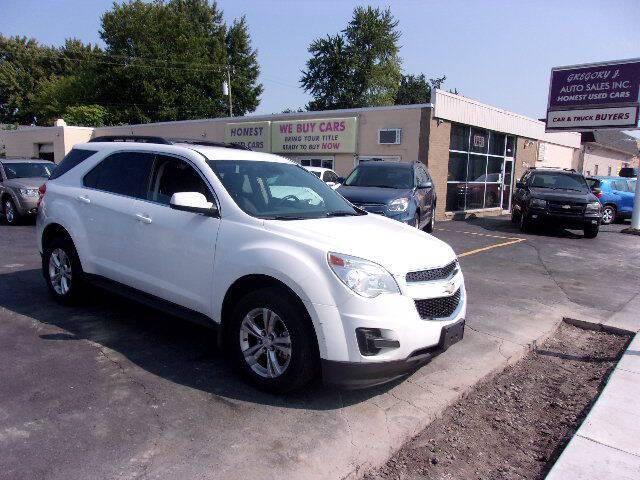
<point>578,221</point>
<point>352,375</point>
<point>26,205</point>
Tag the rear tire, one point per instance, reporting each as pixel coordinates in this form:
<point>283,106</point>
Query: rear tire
<point>591,231</point>
<point>515,217</point>
<point>272,342</point>
<point>11,215</point>
<point>62,271</point>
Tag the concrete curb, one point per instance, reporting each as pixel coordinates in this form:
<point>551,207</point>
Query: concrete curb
<point>607,444</point>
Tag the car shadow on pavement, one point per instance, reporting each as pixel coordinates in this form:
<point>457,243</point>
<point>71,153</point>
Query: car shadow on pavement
<point>504,225</point>
<point>170,348</point>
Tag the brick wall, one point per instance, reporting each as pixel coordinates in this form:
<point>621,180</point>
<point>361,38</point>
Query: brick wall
<point>438,160</point>
<point>526,156</point>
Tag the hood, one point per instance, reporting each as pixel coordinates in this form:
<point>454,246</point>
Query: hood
<point>372,194</point>
<point>396,246</point>
<point>35,182</point>
<point>563,195</point>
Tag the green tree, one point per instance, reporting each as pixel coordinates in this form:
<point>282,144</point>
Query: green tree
<point>86,115</point>
<point>358,67</point>
<point>170,60</point>
<point>416,89</point>
<point>245,89</point>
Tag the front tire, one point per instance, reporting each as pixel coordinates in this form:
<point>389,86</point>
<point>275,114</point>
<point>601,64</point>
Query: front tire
<point>608,215</point>
<point>591,231</point>
<point>62,271</point>
<point>11,214</point>
<point>525,223</point>
<point>432,220</point>
<point>272,341</point>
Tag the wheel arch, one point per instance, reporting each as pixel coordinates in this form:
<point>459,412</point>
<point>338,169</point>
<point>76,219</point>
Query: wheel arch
<point>252,282</point>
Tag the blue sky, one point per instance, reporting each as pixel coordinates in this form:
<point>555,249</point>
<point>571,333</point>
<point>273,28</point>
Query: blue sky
<point>498,52</point>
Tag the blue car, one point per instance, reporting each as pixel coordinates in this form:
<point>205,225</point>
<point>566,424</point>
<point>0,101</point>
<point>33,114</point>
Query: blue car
<point>616,194</point>
<point>401,191</point>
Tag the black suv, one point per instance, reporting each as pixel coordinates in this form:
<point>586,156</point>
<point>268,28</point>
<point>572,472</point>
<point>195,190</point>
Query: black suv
<point>546,196</point>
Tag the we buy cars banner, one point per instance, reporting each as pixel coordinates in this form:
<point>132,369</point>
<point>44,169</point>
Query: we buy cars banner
<point>594,96</point>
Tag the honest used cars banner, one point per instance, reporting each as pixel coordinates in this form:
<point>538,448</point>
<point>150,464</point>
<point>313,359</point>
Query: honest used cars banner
<point>603,95</point>
<point>254,135</point>
<point>321,135</point>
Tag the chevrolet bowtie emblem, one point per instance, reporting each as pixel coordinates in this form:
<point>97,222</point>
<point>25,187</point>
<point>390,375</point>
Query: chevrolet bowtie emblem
<point>450,288</point>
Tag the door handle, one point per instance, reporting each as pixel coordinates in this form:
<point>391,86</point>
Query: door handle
<point>142,218</point>
<point>83,199</point>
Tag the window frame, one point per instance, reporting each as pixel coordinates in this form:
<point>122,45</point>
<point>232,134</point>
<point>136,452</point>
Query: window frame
<point>192,165</point>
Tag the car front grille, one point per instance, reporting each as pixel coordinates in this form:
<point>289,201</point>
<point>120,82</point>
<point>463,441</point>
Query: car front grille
<point>441,307</point>
<point>432,274</point>
<point>566,208</point>
<point>371,207</point>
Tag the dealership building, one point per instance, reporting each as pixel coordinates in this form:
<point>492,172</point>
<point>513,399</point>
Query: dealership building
<point>474,151</point>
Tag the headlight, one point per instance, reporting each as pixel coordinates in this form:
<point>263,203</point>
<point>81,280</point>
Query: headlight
<point>593,207</point>
<point>362,276</point>
<point>29,192</point>
<point>398,205</point>
<point>538,203</point>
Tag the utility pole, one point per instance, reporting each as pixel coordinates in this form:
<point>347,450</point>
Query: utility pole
<point>226,90</point>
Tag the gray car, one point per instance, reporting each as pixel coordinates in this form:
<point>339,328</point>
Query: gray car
<point>20,180</point>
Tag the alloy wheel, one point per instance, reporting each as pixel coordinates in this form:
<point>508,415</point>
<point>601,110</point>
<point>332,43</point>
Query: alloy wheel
<point>608,215</point>
<point>60,271</point>
<point>265,343</point>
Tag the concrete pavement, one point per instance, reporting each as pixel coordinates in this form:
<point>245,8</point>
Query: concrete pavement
<point>113,389</point>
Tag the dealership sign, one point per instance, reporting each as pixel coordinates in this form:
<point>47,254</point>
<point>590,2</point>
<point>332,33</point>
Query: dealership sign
<point>323,135</point>
<point>594,96</point>
<point>254,135</point>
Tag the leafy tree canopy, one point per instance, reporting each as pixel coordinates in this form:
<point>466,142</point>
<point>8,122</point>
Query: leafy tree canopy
<point>417,89</point>
<point>358,67</point>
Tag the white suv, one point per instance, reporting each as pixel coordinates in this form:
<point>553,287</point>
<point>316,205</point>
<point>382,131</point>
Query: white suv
<point>295,278</point>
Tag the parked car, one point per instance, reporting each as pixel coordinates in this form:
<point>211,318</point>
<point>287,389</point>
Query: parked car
<point>327,175</point>
<point>616,194</point>
<point>401,191</point>
<point>546,196</point>
<point>292,286</point>
<point>628,172</point>
<point>20,180</point>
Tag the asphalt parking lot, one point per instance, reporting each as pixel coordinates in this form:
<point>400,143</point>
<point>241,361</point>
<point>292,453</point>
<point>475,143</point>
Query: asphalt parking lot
<point>112,389</point>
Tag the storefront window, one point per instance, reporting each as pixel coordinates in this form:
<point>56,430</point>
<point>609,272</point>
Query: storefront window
<point>496,144</point>
<point>457,167</point>
<point>474,179</point>
<point>479,140</point>
<point>459,138</point>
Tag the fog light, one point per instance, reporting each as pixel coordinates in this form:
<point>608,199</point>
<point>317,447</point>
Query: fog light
<point>370,341</point>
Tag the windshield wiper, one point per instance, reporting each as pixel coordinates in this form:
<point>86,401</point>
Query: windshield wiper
<point>342,214</point>
<point>284,217</point>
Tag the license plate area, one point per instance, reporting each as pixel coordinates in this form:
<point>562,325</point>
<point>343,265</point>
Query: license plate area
<point>451,334</point>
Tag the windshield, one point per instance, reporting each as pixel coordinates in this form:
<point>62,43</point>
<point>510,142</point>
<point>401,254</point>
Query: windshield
<point>384,177</point>
<point>558,181</point>
<point>279,191</point>
<point>28,170</point>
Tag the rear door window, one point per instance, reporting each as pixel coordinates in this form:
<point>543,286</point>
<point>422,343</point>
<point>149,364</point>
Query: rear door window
<point>619,185</point>
<point>173,175</point>
<point>123,173</point>
<point>72,159</point>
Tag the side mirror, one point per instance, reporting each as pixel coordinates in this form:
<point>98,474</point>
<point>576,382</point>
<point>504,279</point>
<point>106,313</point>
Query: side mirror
<point>193,202</point>
<point>519,185</point>
<point>427,184</point>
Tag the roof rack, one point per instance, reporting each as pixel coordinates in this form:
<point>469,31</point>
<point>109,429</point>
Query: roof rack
<point>554,168</point>
<point>131,138</point>
<point>165,141</point>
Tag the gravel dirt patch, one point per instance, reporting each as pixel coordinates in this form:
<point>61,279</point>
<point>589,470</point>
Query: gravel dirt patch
<point>516,424</point>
